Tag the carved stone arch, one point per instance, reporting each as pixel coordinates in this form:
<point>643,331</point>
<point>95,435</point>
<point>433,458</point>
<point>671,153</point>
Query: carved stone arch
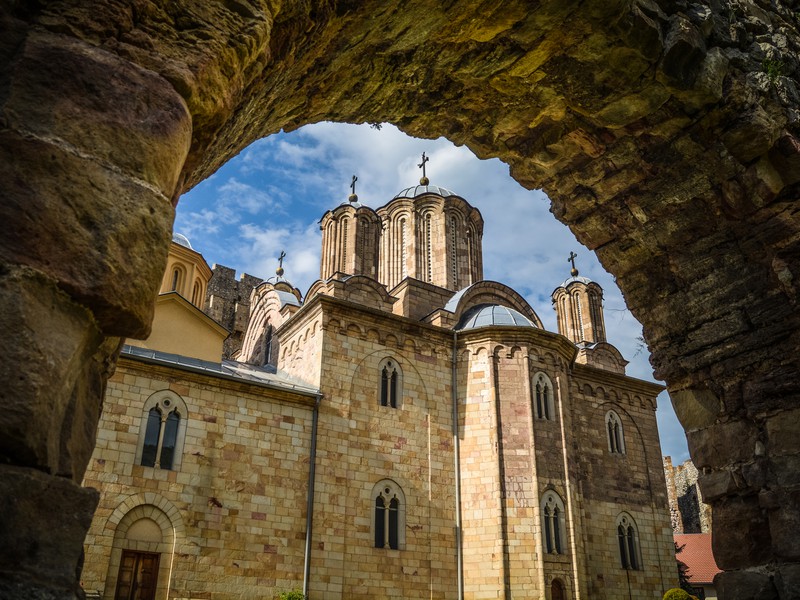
<point>144,523</point>
<point>388,489</point>
<point>481,351</point>
<point>410,346</point>
<point>542,396</point>
<point>354,329</point>
<point>373,335</point>
<point>587,390</point>
<point>553,518</point>
<point>628,545</point>
<point>391,341</point>
<point>165,402</point>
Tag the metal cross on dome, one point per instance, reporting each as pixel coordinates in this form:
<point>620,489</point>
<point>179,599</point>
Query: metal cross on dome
<point>280,259</point>
<point>422,164</point>
<point>353,184</point>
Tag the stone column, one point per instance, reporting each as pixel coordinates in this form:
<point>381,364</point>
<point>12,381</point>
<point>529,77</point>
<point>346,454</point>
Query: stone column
<point>91,147</point>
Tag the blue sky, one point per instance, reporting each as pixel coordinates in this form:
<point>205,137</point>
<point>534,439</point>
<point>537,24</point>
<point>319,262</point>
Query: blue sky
<point>271,197</point>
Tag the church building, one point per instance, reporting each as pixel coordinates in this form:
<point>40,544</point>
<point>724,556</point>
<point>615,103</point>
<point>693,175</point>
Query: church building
<point>405,430</point>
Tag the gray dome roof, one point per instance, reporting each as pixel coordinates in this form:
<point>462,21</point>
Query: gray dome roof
<point>181,239</point>
<point>487,315</point>
<point>419,190</point>
<point>576,279</point>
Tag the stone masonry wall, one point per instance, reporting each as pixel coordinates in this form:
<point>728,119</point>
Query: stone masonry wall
<point>236,503</point>
<point>688,512</point>
<point>228,303</point>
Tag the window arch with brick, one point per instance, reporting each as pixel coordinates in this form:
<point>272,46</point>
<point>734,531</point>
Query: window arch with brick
<point>388,515</point>
<point>628,542</point>
<point>542,392</point>
<point>614,433</point>
<point>163,431</point>
<point>554,530</point>
<point>390,383</point>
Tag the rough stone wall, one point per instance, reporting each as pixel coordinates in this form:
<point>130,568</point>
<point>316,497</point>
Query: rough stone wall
<point>688,511</point>
<point>228,303</point>
<point>234,535</point>
<point>665,133</point>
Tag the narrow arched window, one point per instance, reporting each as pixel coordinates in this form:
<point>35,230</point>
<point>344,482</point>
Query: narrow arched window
<point>553,525</point>
<point>470,257</point>
<point>403,250</point>
<point>268,344</point>
<point>428,249</point>
<point>543,405</point>
<point>163,431</point>
<point>454,252</point>
<point>196,292</point>
<point>388,521</point>
<point>152,433</point>
<point>615,435</point>
<point>628,542</point>
<point>176,279</point>
<point>390,384</point>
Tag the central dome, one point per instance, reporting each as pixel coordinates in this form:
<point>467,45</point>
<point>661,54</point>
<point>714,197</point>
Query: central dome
<point>421,190</point>
<point>488,315</point>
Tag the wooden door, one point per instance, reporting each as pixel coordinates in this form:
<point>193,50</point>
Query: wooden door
<point>557,591</point>
<point>138,576</point>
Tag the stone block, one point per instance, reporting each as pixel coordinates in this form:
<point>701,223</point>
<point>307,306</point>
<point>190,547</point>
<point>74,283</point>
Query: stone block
<point>43,521</point>
<point>52,374</point>
<point>787,581</point>
<point>722,444</point>
<point>745,585</point>
<point>741,536</point>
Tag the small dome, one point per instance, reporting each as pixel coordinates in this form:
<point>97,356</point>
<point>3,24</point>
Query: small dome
<point>576,279</point>
<point>181,239</point>
<point>488,315</point>
<point>419,190</point>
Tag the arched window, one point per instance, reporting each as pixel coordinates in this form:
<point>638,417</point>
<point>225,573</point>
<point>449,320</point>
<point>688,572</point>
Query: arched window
<point>388,516</point>
<point>628,541</point>
<point>177,279</point>
<point>553,525</point>
<point>428,248</point>
<point>163,431</point>
<point>454,252</point>
<point>391,383</point>
<point>403,250</point>
<point>268,344</point>
<point>543,397</point>
<point>616,437</point>
<point>196,293</point>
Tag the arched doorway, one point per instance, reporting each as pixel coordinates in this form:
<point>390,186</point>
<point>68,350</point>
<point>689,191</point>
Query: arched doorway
<point>557,590</point>
<point>142,550</point>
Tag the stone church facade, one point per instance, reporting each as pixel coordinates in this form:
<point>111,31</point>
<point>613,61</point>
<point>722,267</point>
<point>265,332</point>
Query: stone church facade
<point>405,430</point>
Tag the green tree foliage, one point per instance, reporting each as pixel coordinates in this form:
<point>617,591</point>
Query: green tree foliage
<point>678,594</point>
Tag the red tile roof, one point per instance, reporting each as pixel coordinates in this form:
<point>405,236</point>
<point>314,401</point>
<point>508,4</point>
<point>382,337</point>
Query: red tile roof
<point>697,555</point>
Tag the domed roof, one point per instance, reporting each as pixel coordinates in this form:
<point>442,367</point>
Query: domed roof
<point>181,239</point>
<point>419,190</point>
<point>488,315</point>
<point>576,279</point>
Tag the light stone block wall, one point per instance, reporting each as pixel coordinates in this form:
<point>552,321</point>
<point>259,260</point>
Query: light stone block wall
<point>237,504</point>
<point>364,443</point>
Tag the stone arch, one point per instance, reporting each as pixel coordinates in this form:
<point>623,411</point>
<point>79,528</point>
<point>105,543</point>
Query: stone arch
<point>663,124</point>
<point>144,524</point>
